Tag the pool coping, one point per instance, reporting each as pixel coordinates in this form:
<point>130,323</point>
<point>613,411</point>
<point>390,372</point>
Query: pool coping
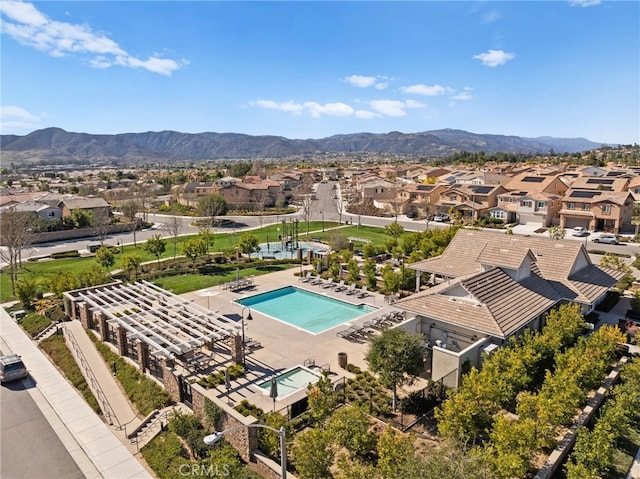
<point>325,295</point>
<point>266,391</point>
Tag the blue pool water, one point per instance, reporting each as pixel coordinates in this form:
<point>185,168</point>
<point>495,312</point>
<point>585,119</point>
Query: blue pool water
<point>303,309</point>
<point>290,381</point>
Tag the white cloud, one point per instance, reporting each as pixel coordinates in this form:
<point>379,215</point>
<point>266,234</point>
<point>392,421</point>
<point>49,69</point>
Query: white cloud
<point>425,90</point>
<point>30,27</point>
<point>360,81</point>
<point>584,3</point>
<point>331,109</point>
<point>15,119</point>
<point>288,106</point>
<point>494,58</point>
<point>462,96</point>
<point>393,108</point>
<point>366,114</point>
<point>414,104</point>
<point>381,86</point>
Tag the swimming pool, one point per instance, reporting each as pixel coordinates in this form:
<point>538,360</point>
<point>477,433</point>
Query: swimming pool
<point>311,312</point>
<point>290,381</point>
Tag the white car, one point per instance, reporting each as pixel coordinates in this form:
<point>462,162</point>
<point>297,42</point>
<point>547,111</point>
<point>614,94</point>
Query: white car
<point>579,231</point>
<point>441,218</point>
<point>607,239</point>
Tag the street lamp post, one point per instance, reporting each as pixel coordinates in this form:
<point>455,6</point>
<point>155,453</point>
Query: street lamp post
<point>249,318</point>
<point>216,436</point>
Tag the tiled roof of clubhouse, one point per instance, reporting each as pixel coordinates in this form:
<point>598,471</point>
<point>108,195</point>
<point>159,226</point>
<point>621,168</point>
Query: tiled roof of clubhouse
<point>480,293</point>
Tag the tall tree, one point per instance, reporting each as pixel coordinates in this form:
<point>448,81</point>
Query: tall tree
<point>212,206</point>
<point>105,257</point>
<point>172,225</point>
<point>16,230</point>
<point>130,262</point>
<point>156,245</point>
<point>248,244</point>
<point>396,355</point>
<point>130,211</point>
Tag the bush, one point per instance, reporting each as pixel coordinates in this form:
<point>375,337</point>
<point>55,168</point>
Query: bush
<point>214,379</point>
<point>59,353</point>
<point>247,409</point>
<point>66,254</point>
<point>34,324</point>
<point>165,455</point>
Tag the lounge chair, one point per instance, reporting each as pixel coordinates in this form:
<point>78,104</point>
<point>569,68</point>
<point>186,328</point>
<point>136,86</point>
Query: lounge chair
<point>348,333</point>
<point>363,292</point>
<point>328,284</point>
<point>307,278</point>
<point>316,281</point>
<point>340,287</point>
<point>351,290</point>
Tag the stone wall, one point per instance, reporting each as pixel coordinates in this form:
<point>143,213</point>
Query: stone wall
<point>78,233</point>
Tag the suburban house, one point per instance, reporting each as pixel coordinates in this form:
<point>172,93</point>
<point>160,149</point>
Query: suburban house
<point>41,210</point>
<point>419,198</point>
<point>470,202</point>
<point>597,210</point>
<point>95,205</point>
<point>252,196</point>
<point>520,207</point>
<point>380,192</point>
<point>489,286</point>
<point>533,183</point>
<point>634,188</point>
<point>193,191</point>
<point>600,183</point>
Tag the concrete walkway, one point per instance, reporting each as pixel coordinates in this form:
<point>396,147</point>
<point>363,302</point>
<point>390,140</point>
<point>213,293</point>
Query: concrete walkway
<point>115,406</point>
<point>96,450</point>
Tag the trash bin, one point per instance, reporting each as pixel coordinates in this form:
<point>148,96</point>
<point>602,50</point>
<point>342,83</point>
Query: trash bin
<point>342,360</point>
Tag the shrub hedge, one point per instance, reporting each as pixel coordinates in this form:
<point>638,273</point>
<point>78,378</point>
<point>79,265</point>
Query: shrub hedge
<point>59,353</point>
<point>34,324</point>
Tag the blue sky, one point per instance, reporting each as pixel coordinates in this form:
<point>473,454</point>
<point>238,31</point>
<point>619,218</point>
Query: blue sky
<point>316,69</point>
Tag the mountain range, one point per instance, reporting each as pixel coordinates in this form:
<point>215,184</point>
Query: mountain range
<point>55,144</point>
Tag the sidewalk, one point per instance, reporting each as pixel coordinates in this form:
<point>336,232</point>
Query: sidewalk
<point>96,450</point>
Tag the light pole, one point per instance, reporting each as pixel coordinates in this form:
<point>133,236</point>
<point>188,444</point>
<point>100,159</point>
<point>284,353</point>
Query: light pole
<point>216,436</point>
<point>249,318</point>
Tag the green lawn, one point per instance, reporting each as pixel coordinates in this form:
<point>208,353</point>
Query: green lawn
<point>41,270</point>
<point>184,283</point>
<point>625,453</point>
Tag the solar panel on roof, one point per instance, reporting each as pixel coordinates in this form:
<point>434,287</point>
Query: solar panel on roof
<point>533,179</point>
<point>519,193</point>
<point>600,181</point>
<point>615,173</point>
<point>481,190</point>
<point>584,194</point>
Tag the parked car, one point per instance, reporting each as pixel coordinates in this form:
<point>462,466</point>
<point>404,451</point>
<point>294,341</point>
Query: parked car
<point>579,231</point>
<point>412,214</point>
<point>608,239</point>
<point>441,217</point>
<point>12,368</point>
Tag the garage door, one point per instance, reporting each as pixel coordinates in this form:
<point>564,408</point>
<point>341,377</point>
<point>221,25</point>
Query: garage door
<point>530,219</point>
<point>571,223</point>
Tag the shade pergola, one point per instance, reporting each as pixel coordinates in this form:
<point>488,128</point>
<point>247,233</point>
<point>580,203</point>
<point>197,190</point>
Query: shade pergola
<point>166,322</point>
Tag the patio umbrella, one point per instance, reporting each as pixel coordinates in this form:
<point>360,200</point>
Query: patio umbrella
<point>273,392</point>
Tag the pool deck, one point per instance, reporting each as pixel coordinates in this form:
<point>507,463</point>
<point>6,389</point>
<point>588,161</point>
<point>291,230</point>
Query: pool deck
<point>283,345</point>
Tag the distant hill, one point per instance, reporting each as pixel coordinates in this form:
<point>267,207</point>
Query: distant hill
<point>55,144</point>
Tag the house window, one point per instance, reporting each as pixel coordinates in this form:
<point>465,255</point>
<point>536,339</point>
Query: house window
<point>541,204</point>
<point>453,197</point>
<point>571,206</point>
<point>585,207</point>
<point>606,209</point>
<point>51,214</point>
<point>498,214</point>
<point>526,204</point>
